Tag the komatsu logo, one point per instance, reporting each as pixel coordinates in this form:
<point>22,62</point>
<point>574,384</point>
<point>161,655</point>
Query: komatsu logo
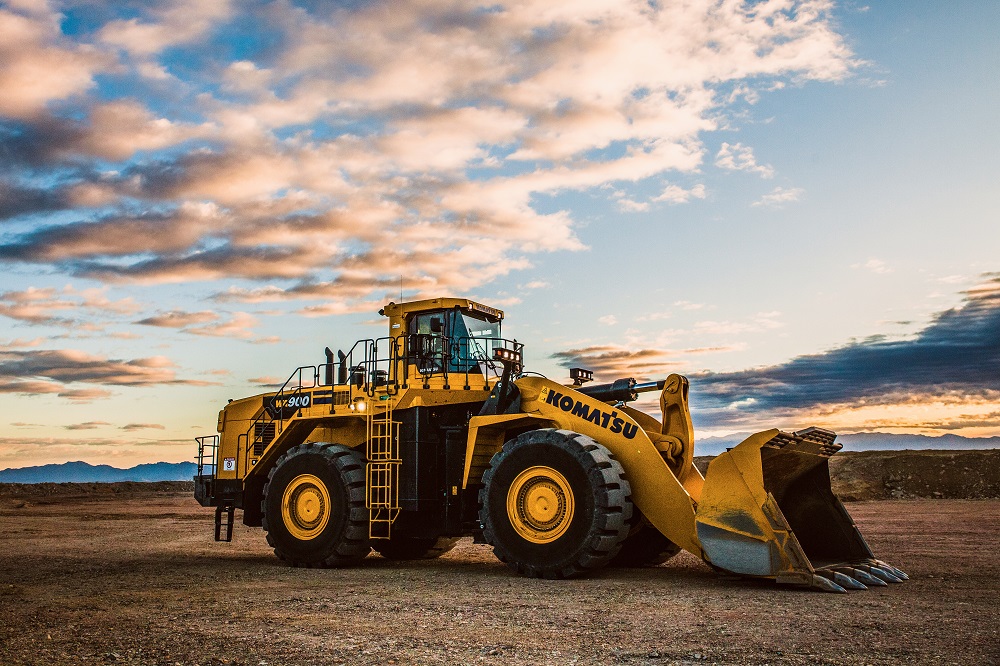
<point>607,420</point>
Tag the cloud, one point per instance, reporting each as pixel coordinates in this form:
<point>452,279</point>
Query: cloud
<point>358,145</point>
<point>89,425</point>
<point>267,381</point>
<point>335,292</point>
<point>168,24</point>
<point>933,417</point>
<point>17,200</point>
<point>876,266</point>
<point>121,452</point>
<point>251,263</point>
<point>676,194</point>
<point>240,325</point>
<point>954,358</point>
<point>50,371</point>
<point>35,306</point>
<point>132,427</point>
<point>610,362</point>
<point>206,323</point>
<point>179,319</point>
<point>630,206</point>
<point>22,386</point>
<point>73,366</point>
<point>21,342</point>
<point>118,129</point>
<point>116,236</point>
<point>688,305</point>
<point>83,395</point>
<point>779,196</point>
<point>40,65</point>
<point>43,306</point>
<point>75,149</point>
<point>761,321</point>
<point>737,157</point>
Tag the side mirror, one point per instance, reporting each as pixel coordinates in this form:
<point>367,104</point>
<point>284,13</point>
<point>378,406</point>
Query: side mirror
<point>437,326</point>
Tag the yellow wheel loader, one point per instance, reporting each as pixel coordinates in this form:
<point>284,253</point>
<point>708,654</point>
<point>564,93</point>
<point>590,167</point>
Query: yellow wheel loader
<point>406,443</point>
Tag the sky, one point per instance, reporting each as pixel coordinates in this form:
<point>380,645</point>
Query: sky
<point>794,203</point>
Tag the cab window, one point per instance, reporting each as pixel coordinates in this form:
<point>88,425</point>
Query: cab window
<point>427,341</point>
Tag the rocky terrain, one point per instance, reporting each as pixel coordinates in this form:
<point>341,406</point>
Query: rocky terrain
<point>129,574</point>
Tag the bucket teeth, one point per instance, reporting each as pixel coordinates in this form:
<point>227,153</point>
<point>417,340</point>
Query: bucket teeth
<point>898,573</point>
<point>840,577</point>
<point>825,584</point>
<point>886,575</point>
<point>863,576</point>
<point>881,573</point>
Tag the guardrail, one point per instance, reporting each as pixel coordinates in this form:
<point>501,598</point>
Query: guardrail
<point>370,366</point>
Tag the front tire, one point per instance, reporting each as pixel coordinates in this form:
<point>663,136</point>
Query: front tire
<point>313,510</point>
<point>555,504</point>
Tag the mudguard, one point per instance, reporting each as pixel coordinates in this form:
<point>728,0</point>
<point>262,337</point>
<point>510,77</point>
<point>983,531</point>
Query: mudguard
<point>655,489</point>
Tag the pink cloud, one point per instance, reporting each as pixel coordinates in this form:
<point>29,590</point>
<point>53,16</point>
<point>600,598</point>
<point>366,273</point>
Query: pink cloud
<point>46,371</point>
<point>89,425</point>
<point>167,24</point>
<point>39,65</point>
<point>468,117</point>
<point>179,319</point>
<point>131,427</point>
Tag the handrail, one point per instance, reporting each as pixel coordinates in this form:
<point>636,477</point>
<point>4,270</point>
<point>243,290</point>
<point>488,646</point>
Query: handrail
<point>208,446</point>
<point>373,364</point>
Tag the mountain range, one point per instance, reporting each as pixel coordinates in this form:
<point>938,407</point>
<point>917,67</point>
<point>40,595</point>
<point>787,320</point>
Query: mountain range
<point>867,441</point>
<point>81,472</point>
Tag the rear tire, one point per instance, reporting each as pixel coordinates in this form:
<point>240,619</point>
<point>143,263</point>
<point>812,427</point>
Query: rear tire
<point>313,509</point>
<point>554,504</point>
<point>413,548</point>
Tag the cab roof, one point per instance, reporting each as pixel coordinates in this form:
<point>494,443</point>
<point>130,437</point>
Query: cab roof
<point>404,309</point>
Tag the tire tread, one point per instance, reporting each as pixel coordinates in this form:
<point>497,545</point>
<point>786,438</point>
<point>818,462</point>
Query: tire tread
<point>347,463</point>
<point>612,511</point>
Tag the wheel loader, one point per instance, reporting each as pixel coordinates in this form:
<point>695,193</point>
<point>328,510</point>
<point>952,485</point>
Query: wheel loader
<point>406,443</point>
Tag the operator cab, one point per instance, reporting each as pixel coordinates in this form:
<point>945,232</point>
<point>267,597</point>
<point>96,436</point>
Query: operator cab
<point>442,337</point>
<point>446,336</point>
<point>454,339</point>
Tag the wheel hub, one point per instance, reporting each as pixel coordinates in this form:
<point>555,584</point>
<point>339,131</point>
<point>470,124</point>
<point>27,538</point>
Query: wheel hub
<point>540,504</point>
<point>305,507</point>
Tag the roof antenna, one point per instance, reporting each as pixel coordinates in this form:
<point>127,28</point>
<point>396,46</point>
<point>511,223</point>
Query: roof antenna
<point>400,288</point>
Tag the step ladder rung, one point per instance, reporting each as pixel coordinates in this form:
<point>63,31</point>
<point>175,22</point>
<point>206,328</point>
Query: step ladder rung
<point>229,509</point>
<point>382,472</point>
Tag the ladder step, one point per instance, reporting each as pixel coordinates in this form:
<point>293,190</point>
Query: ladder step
<point>382,472</point>
<point>380,524</point>
<point>229,509</point>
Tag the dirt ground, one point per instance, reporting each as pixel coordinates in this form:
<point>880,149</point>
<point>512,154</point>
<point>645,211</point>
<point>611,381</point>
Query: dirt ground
<point>133,577</point>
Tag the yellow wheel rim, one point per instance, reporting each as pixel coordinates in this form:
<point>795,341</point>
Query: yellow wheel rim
<point>305,507</point>
<point>540,504</point>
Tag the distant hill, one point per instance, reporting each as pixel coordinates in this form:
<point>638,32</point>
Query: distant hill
<point>81,472</point>
<point>868,441</point>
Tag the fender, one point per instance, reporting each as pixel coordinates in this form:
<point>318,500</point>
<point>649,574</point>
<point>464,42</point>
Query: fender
<point>546,404</point>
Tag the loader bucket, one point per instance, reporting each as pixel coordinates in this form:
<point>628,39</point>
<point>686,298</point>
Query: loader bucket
<point>767,510</point>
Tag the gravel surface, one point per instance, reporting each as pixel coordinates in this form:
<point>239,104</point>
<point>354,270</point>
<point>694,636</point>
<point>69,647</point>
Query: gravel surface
<point>135,578</point>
